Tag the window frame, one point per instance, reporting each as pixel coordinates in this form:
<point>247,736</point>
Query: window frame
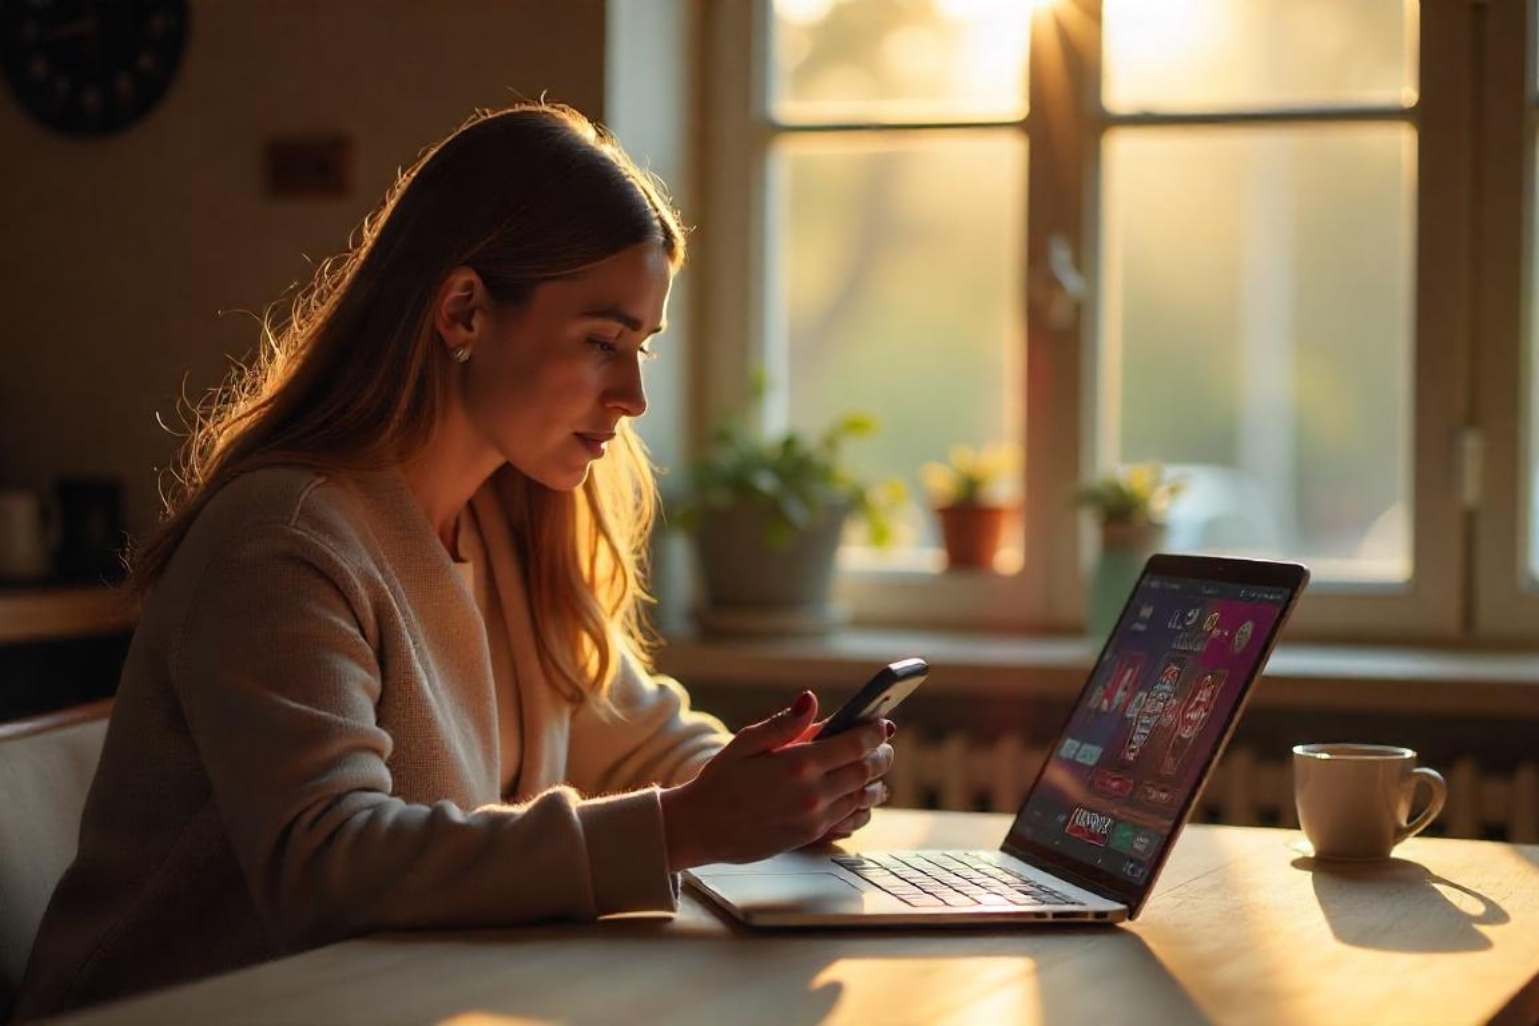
<point>1063,130</point>
<point>1506,599</point>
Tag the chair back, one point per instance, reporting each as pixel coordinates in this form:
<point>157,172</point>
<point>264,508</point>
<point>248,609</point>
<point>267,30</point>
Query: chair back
<point>46,766</point>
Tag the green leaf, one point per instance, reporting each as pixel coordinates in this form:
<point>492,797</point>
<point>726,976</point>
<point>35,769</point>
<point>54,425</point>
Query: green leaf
<point>800,479</point>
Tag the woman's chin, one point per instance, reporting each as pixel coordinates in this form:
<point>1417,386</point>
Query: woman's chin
<point>560,474</point>
<point>567,479</point>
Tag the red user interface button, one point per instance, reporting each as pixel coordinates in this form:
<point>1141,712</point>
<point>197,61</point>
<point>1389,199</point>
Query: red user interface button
<point>1089,825</point>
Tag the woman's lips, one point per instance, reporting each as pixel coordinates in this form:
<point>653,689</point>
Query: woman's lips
<point>595,442</point>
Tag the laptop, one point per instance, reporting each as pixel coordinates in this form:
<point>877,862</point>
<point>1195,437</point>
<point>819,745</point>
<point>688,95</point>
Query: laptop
<point>1110,800</point>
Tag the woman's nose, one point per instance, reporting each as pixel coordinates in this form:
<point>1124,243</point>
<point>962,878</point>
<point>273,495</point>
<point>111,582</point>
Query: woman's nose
<point>628,394</point>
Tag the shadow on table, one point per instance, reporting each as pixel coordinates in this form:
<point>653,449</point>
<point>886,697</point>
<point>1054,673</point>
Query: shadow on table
<point>1398,905</point>
<point>649,972</point>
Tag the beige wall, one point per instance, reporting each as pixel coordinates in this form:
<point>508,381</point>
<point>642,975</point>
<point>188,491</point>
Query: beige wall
<point>117,255</point>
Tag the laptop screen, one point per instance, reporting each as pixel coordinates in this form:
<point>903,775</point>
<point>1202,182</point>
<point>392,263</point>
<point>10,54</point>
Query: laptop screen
<point>1142,734</point>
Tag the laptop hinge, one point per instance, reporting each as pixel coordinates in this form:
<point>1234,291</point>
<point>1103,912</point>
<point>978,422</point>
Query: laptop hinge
<point>1037,862</point>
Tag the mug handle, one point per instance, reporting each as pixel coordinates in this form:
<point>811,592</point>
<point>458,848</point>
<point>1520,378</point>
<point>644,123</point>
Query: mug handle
<point>1439,789</point>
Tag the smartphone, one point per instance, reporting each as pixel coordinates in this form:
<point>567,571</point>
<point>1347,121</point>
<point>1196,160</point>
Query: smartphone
<point>881,695</point>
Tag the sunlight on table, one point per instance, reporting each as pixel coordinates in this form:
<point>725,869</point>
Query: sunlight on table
<point>931,990</point>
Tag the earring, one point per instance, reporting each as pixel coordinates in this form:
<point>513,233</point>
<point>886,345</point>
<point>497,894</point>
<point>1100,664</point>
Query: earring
<point>460,354</point>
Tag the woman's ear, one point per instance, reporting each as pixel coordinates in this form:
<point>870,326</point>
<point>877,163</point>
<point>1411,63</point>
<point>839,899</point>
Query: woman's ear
<point>459,309</point>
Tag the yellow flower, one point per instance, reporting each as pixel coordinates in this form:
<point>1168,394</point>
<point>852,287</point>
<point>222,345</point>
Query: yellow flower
<point>1137,493</point>
<point>971,474</point>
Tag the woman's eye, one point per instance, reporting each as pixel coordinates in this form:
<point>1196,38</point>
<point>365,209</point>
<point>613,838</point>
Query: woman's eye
<point>610,347</point>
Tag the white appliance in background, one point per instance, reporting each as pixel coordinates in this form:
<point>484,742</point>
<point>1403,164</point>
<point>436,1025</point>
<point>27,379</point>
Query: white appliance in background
<point>24,537</point>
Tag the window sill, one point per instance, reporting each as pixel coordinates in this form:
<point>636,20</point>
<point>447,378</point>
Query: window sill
<point>1356,678</point>
<point>58,612</point>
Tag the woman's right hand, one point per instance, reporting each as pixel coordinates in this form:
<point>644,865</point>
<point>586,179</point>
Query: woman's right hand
<point>771,790</point>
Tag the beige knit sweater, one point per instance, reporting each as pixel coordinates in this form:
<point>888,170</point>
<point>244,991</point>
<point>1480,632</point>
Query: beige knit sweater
<point>305,748</point>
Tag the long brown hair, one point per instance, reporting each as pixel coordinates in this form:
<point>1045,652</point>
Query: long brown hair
<point>353,377</point>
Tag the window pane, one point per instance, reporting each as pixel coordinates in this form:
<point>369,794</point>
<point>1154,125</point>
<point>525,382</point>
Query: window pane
<point>1256,331</point>
<point>901,293</point>
<point>1532,411</point>
<point>882,60</point>
<point>1223,55</point>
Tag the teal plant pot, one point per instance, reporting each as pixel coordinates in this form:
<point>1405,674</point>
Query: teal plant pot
<point>1125,548</point>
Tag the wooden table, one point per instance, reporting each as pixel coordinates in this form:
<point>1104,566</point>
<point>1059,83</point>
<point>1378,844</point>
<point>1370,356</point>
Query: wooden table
<point>1244,928</point>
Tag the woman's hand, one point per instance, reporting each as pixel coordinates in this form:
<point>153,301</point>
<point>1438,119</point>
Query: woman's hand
<point>771,789</point>
<point>876,794</point>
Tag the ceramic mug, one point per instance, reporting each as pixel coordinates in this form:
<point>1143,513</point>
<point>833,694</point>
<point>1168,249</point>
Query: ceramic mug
<point>24,537</point>
<point>1354,801</point>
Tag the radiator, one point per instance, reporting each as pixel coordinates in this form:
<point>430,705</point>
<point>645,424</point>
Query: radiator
<point>960,771</point>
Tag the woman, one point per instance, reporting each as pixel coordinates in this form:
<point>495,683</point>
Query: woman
<point>391,644</point>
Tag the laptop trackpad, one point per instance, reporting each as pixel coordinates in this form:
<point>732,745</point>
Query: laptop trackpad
<point>766,892</point>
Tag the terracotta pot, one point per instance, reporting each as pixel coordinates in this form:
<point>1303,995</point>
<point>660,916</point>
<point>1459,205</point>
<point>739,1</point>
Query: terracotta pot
<point>971,533</point>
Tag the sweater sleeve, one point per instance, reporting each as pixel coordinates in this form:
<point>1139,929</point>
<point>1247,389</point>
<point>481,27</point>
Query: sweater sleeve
<point>649,735</point>
<point>279,683</point>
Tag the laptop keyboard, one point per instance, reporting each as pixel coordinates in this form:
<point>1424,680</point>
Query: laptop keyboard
<point>949,879</point>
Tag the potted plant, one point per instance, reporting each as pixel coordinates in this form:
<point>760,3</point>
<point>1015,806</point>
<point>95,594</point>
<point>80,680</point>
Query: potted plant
<point>1130,505</point>
<point>968,496</point>
<point>767,514</point>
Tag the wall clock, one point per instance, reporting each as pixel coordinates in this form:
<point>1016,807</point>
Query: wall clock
<point>91,67</point>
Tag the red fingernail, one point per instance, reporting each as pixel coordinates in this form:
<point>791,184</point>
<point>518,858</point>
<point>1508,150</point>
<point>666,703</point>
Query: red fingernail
<point>802,704</point>
<point>891,728</point>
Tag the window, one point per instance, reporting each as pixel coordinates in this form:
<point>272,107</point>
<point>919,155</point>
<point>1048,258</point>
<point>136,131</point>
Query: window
<point>1530,458</point>
<point>1260,170</point>
<point>1267,243</point>
<point>894,232</point>
<point>1505,341</point>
